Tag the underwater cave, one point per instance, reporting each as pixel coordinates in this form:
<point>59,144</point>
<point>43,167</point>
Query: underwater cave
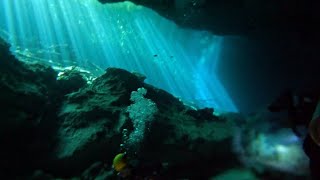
<point>188,89</point>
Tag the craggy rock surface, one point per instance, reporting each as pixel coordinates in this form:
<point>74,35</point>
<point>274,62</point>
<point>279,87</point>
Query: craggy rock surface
<point>27,103</point>
<point>48,134</point>
<point>30,96</point>
<point>236,17</point>
<point>92,120</point>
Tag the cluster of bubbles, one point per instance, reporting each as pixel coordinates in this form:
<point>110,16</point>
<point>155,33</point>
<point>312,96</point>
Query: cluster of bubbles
<point>141,112</point>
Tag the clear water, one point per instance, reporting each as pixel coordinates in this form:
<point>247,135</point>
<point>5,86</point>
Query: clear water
<point>93,36</point>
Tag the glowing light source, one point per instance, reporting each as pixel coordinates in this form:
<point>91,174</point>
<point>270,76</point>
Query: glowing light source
<point>276,150</point>
<point>281,149</point>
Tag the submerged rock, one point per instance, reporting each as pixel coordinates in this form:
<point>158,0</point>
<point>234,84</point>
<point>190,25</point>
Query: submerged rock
<point>71,80</point>
<point>27,102</point>
<point>30,97</point>
<point>48,134</point>
<point>236,17</point>
<point>93,119</point>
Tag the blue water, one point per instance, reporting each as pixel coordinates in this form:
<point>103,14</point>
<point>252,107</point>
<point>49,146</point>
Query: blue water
<point>87,34</point>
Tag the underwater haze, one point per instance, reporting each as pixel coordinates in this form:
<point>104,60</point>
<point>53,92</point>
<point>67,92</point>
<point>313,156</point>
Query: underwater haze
<point>92,89</point>
<point>92,36</point>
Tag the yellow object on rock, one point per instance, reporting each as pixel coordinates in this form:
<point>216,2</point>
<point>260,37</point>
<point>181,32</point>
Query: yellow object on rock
<point>119,162</point>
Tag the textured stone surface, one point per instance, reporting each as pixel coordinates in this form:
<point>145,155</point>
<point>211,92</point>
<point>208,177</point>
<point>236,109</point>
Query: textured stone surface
<point>236,17</point>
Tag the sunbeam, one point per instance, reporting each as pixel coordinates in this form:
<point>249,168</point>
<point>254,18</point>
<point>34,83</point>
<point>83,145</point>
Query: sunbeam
<point>92,36</point>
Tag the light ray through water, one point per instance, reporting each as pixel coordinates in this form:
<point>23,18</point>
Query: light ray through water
<point>95,36</point>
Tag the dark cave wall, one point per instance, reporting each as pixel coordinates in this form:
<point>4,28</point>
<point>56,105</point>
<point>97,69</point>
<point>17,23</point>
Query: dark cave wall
<point>255,70</point>
<point>235,17</point>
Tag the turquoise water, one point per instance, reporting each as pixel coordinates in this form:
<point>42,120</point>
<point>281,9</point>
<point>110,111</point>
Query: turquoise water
<point>93,36</point>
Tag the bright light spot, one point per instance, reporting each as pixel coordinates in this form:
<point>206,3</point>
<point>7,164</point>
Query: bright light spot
<point>277,151</point>
<point>281,149</point>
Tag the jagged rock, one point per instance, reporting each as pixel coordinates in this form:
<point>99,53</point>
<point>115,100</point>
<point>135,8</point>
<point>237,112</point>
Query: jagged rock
<point>203,114</point>
<point>65,136</point>
<point>235,17</point>
<point>93,118</point>
<point>97,171</point>
<point>71,80</point>
<point>27,88</point>
<point>27,102</point>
